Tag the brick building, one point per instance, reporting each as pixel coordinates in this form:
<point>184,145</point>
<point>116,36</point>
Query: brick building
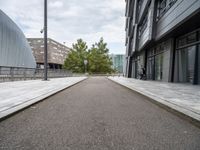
<point>57,52</point>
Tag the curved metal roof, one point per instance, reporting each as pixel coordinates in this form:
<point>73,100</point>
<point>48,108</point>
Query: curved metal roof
<point>15,50</point>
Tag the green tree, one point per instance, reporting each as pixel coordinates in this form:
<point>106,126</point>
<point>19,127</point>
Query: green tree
<point>98,58</point>
<point>76,57</point>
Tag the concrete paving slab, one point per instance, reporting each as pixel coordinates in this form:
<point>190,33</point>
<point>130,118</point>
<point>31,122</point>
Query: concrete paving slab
<point>184,98</point>
<point>15,96</point>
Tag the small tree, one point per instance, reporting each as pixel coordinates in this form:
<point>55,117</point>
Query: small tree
<point>76,57</point>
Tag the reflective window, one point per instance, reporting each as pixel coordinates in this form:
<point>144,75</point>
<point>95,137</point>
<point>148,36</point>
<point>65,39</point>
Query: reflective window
<point>164,6</point>
<point>150,64</point>
<point>186,62</point>
<point>140,5</point>
<point>159,67</point>
<point>189,39</point>
<point>143,26</point>
<point>150,68</point>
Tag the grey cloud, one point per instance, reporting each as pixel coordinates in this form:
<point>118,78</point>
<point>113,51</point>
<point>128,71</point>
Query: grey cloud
<point>71,19</point>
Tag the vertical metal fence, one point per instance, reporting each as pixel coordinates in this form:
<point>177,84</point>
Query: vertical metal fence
<point>16,74</point>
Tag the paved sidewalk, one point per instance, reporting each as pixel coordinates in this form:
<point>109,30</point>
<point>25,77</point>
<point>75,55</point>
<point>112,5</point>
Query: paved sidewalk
<point>20,94</point>
<point>184,98</point>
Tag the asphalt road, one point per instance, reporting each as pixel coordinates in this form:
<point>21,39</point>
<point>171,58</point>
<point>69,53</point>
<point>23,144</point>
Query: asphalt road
<point>97,114</point>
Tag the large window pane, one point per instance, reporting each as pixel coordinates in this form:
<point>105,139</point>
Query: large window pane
<point>150,68</point>
<point>159,67</point>
<point>186,64</point>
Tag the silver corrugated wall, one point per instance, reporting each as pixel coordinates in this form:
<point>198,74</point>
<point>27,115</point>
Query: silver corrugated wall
<point>15,50</point>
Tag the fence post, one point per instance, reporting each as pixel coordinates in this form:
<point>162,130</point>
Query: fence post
<point>0,74</point>
<point>24,74</point>
<point>12,73</point>
<point>34,74</point>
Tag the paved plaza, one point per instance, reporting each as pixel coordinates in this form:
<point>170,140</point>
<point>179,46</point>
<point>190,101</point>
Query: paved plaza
<point>184,98</point>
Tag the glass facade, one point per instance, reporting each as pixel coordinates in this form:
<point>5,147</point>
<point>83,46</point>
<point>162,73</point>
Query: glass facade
<point>134,69</point>
<point>138,63</point>
<point>187,63</point>
<point>158,62</point>
<point>150,68</point>
<point>159,67</point>
<point>118,62</point>
<point>164,6</point>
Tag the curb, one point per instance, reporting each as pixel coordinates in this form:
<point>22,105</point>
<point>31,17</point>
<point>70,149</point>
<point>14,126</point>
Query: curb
<point>14,110</point>
<point>186,114</point>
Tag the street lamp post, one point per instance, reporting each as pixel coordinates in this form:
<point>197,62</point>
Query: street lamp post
<point>45,42</point>
<point>85,63</point>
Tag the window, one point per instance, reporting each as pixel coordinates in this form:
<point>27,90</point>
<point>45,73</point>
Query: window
<point>185,40</point>
<point>187,64</point>
<point>143,26</point>
<point>150,64</point>
<point>186,61</point>
<point>164,6</point>
<point>139,5</point>
<point>191,38</point>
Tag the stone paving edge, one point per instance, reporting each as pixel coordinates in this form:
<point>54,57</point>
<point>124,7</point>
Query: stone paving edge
<point>14,110</point>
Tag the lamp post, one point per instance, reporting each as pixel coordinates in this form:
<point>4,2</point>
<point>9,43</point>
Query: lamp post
<point>85,63</point>
<point>45,42</point>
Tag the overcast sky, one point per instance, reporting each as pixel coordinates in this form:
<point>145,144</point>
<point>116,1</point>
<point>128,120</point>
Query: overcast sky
<point>72,19</point>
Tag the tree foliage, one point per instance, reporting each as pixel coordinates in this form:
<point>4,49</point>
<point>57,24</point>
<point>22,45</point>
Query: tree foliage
<point>76,57</point>
<point>97,57</point>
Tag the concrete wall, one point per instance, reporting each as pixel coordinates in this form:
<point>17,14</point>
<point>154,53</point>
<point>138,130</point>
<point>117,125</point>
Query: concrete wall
<point>14,48</point>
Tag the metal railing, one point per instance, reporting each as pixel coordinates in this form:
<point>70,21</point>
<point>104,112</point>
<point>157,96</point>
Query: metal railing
<point>17,73</point>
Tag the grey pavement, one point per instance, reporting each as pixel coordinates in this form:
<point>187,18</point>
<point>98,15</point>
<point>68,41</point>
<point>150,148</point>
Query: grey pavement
<point>184,98</point>
<point>97,114</point>
<point>15,96</point>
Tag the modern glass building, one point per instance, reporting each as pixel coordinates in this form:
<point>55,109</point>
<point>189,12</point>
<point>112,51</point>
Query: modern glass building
<point>14,48</point>
<point>118,62</point>
<point>163,36</point>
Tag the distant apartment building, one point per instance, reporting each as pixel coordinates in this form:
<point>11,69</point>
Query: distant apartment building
<point>163,36</point>
<point>118,62</point>
<point>57,52</point>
